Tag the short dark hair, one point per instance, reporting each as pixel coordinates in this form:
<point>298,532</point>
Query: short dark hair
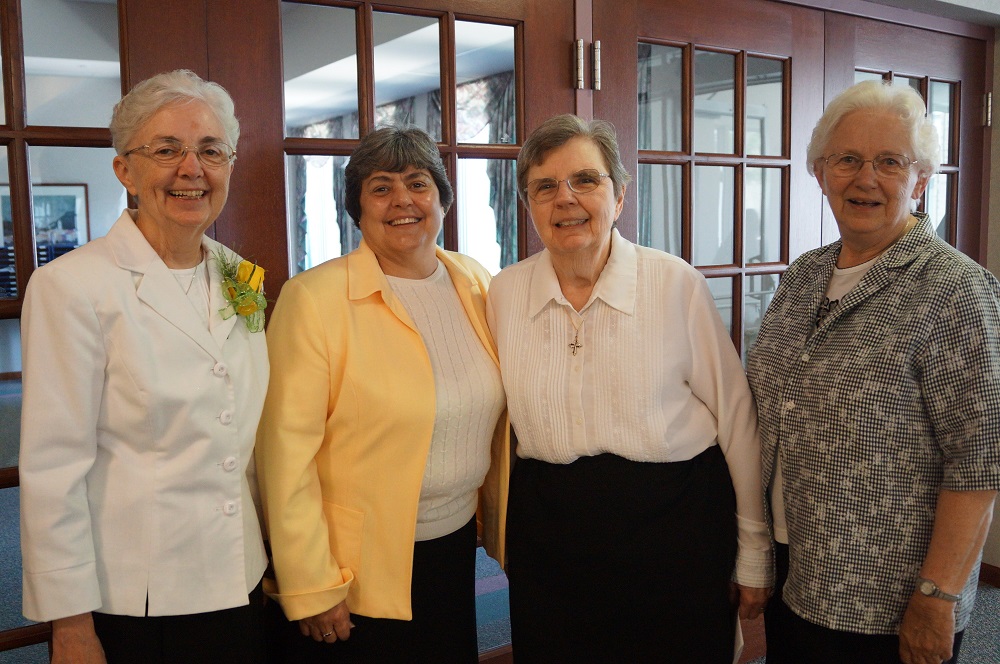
<point>561,129</point>
<point>394,149</point>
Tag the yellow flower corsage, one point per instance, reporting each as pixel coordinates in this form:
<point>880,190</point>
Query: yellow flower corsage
<point>243,288</point>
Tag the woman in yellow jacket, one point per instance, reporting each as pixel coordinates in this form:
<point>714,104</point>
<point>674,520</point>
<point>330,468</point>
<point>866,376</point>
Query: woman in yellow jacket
<point>384,417</point>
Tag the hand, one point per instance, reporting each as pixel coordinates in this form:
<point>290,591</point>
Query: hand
<point>927,633</point>
<point>751,600</point>
<point>328,626</point>
<point>74,641</point>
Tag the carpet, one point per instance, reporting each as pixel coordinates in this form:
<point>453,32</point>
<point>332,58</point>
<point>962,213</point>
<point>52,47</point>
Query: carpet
<point>492,607</point>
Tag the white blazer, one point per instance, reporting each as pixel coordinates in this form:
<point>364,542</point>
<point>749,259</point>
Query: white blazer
<point>137,430</point>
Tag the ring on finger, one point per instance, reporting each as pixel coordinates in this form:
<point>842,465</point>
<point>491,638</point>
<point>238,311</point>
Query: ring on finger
<point>328,634</point>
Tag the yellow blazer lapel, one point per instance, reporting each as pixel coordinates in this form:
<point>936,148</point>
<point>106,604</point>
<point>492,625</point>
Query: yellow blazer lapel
<point>365,278</point>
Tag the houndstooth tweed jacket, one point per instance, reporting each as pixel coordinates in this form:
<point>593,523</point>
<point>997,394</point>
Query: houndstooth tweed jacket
<point>893,397</point>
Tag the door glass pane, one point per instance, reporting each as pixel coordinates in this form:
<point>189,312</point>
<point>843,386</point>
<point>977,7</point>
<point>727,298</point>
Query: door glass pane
<point>10,354</point>
<point>8,278</point>
<point>940,108</point>
<point>907,80</point>
<point>319,57</point>
<point>485,93</point>
<point>938,205</point>
<point>661,97</point>
<point>714,102</point>
<point>486,203</point>
<point>712,227</point>
<point>765,110</point>
<point>866,76</point>
<point>72,69</point>
<point>407,71</point>
<point>660,197</point>
<point>722,293</point>
<point>762,215</point>
<point>758,290</point>
<point>75,197</point>
<point>319,226</point>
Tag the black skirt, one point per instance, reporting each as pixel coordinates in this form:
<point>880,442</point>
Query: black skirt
<point>443,628</point>
<point>611,560</point>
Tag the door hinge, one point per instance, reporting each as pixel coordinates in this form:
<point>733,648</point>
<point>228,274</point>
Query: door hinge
<point>597,64</point>
<point>579,64</point>
<point>988,109</point>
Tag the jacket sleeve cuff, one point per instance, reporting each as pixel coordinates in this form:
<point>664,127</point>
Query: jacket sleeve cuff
<point>61,593</point>
<point>306,604</point>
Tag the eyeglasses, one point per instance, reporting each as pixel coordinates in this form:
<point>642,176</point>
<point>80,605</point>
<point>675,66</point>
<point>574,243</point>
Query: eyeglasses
<point>170,153</point>
<point>845,163</point>
<point>544,189</point>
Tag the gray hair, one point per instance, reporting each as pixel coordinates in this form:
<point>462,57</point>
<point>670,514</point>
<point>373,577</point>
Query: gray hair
<point>394,149</point>
<point>900,100</point>
<point>180,86</point>
<point>561,129</point>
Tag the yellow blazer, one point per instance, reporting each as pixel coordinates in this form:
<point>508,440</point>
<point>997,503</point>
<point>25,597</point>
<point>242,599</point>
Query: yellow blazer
<point>345,433</point>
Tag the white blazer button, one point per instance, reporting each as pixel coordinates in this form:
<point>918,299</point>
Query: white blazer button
<point>230,508</point>
<point>226,417</point>
<point>229,464</point>
<point>220,369</point>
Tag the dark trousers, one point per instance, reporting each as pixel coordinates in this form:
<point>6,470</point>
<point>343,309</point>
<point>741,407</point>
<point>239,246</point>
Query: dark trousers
<point>611,560</point>
<point>233,636</point>
<point>443,629</point>
<point>792,639</point>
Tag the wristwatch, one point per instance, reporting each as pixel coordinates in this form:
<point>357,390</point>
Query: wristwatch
<point>929,588</point>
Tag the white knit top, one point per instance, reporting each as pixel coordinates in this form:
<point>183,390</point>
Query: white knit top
<point>469,399</point>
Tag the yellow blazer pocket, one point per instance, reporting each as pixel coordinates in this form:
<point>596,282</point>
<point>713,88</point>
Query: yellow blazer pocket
<point>346,528</point>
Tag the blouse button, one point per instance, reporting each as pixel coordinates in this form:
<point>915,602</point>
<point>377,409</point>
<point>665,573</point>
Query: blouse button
<point>230,508</point>
<point>220,369</point>
<point>229,464</point>
<point>226,416</point>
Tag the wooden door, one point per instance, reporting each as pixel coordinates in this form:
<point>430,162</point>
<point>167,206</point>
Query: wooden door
<point>949,70</point>
<point>726,94</point>
<point>264,188</point>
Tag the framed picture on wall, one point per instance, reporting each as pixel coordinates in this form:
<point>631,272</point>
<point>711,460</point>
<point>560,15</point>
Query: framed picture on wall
<point>60,214</point>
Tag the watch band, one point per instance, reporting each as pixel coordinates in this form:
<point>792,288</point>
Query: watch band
<point>930,589</point>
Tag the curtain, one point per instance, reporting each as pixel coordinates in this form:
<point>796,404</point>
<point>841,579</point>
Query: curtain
<point>297,213</point>
<point>500,108</point>
<point>644,176</point>
<point>434,114</point>
<point>344,126</point>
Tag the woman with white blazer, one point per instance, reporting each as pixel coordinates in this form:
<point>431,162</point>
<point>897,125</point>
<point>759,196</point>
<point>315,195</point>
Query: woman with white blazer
<point>145,370</point>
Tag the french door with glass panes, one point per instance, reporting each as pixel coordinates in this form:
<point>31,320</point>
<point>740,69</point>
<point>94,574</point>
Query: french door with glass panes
<point>715,102</point>
<point>445,67</point>
<point>721,101</point>
<point>949,71</point>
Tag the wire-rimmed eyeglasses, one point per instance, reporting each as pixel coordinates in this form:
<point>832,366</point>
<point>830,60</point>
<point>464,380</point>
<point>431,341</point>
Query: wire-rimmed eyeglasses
<point>170,153</point>
<point>847,163</point>
<point>543,190</point>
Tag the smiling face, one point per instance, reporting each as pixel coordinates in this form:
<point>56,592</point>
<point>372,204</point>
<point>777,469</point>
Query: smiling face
<point>575,225</point>
<point>871,209</point>
<point>401,217</point>
<point>182,200</point>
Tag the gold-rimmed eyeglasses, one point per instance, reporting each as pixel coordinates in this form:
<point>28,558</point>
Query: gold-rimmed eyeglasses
<point>847,163</point>
<point>170,153</point>
<point>543,190</point>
